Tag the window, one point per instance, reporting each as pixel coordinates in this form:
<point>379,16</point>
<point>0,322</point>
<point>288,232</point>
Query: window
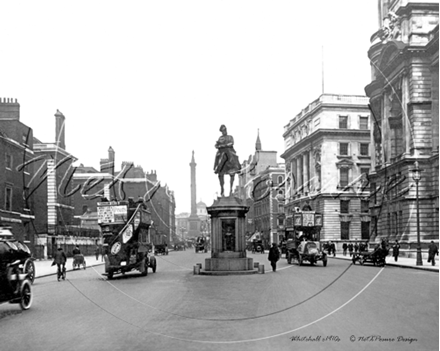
<point>345,230</point>
<point>343,122</point>
<point>280,179</point>
<point>8,199</point>
<point>364,206</point>
<point>345,206</point>
<point>365,230</point>
<point>343,177</point>
<point>343,149</point>
<point>280,208</point>
<point>280,221</point>
<point>365,170</point>
<point>363,123</point>
<point>364,149</point>
<point>8,161</point>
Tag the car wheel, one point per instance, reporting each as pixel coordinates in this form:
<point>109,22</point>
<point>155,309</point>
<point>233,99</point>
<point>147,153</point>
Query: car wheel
<point>300,260</point>
<point>324,263</point>
<point>110,274</point>
<point>25,295</point>
<point>29,269</point>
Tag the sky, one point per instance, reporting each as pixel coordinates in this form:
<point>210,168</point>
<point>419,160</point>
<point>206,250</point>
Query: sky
<point>155,79</point>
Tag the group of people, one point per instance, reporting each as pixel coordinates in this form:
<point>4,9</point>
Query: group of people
<point>354,248</point>
<point>275,252</point>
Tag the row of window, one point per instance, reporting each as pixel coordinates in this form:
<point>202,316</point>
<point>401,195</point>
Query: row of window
<point>344,149</point>
<point>363,122</point>
<point>345,206</point>
<point>345,230</point>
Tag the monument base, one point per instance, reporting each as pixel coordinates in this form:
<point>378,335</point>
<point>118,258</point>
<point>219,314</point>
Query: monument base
<point>228,254</point>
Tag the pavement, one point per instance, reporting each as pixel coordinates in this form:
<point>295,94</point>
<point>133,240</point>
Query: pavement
<point>44,268</point>
<point>403,262</point>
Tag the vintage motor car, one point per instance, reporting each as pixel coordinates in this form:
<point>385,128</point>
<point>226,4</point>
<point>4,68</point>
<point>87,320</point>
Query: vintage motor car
<point>15,285</point>
<point>376,257</point>
<point>308,251</point>
<point>17,250</point>
<point>126,242</point>
<point>161,249</point>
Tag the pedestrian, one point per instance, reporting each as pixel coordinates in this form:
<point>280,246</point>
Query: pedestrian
<point>60,260</point>
<point>97,253</point>
<point>333,248</point>
<point>396,248</point>
<point>350,249</point>
<point>76,250</point>
<point>432,251</point>
<point>356,247</point>
<point>274,256</point>
<point>344,249</point>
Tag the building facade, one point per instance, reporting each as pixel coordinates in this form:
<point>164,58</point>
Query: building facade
<point>403,96</point>
<point>16,170</point>
<point>328,158</point>
<point>129,182</point>
<point>268,205</point>
<point>250,170</point>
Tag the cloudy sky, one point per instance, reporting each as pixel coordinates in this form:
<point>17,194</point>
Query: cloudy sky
<point>156,79</point>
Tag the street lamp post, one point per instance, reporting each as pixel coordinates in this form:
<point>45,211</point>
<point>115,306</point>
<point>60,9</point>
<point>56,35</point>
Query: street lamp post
<point>416,175</point>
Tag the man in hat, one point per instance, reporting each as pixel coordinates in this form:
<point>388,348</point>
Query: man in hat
<point>274,256</point>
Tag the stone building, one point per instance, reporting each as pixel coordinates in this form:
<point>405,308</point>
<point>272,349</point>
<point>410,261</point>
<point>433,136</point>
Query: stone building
<point>403,96</point>
<point>250,170</point>
<point>328,157</point>
<point>16,170</point>
<point>268,204</point>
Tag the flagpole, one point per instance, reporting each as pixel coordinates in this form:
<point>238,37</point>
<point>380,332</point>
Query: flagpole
<point>322,67</point>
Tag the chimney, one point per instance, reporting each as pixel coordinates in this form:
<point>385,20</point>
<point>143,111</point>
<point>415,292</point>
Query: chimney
<point>59,130</point>
<point>9,109</point>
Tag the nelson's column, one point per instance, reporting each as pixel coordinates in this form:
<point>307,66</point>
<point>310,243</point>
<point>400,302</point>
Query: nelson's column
<point>193,219</point>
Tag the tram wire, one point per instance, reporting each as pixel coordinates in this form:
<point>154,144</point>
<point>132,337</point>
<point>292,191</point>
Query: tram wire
<point>233,319</point>
<point>234,341</point>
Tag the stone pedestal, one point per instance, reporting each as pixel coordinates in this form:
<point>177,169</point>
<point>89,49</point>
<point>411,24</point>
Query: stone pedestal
<point>228,240</point>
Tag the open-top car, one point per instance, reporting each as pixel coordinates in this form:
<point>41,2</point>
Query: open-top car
<point>161,249</point>
<point>376,257</point>
<point>15,250</point>
<point>15,285</point>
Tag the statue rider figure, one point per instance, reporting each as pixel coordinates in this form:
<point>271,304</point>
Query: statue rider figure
<point>226,160</point>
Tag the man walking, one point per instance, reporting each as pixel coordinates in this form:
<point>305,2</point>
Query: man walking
<point>396,249</point>
<point>60,260</point>
<point>432,251</point>
<point>344,249</point>
<point>350,249</point>
<point>274,256</point>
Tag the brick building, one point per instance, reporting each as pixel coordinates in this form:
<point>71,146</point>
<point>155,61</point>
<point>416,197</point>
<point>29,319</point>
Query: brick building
<point>54,211</point>
<point>328,158</point>
<point>16,170</point>
<point>129,182</point>
<point>404,98</point>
